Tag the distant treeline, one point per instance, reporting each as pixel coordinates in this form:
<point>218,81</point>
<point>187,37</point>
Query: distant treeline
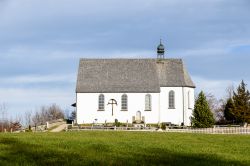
<point>39,117</point>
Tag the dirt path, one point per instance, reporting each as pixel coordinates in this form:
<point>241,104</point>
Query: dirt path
<point>59,128</point>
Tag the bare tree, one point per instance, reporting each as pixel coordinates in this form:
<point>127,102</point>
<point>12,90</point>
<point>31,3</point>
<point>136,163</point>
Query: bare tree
<point>229,91</point>
<point>215,106</point>
<point>19,119</point>
<point>27,117</point>
<point>36,118</point>
<point>55,112</point>
<point>48,113</point>
<point>3,111</point>
<point>44,115</point>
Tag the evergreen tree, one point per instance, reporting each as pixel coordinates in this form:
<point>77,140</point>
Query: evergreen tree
<point>241,100</point>
<point>229,110</point>
<point>202,115</point>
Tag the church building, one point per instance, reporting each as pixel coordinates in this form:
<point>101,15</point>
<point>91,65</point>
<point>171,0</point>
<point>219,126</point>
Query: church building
<point>149,91</point>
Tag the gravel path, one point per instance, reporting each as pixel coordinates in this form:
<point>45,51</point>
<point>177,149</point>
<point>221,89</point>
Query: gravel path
<point>59,128</point>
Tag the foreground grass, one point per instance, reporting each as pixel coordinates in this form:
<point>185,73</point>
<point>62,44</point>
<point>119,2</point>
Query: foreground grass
<point>123,148</point>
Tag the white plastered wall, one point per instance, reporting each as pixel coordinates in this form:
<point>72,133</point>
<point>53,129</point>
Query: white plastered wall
<point>189,105</point>
<point>171,115</point>
<point>87,108</point>
<point>181,113</point>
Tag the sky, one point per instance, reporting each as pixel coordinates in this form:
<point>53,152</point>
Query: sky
<point>41,42</point>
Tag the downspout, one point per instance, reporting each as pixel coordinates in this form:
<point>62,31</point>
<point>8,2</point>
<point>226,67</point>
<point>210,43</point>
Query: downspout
<point>76,109</point>
<point>159,108</point>
<point>183,103</point>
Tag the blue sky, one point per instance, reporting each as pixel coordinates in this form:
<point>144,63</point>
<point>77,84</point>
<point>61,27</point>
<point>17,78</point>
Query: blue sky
<point>41,43</point>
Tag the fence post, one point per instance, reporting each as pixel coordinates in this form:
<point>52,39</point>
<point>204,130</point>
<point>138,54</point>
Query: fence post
<point>47,125</point>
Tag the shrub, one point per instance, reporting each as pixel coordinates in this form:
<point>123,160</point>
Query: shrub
<point>163,126</point>
<point>117,124</point>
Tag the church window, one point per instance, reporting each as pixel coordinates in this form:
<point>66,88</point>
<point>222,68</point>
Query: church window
<point>101,102</point>
<point>189,100</point>
<point>171,98</point>
<point>124,102</point>
<point>148,102</point>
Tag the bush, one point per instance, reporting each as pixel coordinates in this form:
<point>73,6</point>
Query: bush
<point>28,130</point>
<point>163,126</point>
<point>117,124</point>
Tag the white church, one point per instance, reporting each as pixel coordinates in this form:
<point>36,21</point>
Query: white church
<point>148,91</point>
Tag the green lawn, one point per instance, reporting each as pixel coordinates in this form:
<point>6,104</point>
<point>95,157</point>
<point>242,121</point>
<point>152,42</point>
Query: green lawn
<point>123,148</point>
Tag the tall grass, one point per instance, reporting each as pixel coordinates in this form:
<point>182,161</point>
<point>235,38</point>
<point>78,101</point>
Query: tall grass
<point>123,148</point>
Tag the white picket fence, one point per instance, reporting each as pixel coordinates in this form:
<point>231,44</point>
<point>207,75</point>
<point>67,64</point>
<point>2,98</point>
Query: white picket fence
<point>217,130</point>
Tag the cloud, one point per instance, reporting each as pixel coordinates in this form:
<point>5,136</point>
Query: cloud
<point>27,79</point>
<point>108,26</point>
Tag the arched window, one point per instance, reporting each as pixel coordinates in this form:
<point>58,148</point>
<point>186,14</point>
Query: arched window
<point>171,99</point>
<point>189,99</point>
<point>148,102</point>
<point>124,102</point>
<point>101,102</point>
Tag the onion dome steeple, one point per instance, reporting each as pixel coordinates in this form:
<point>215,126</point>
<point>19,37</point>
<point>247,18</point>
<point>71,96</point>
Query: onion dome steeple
<point>160,51</point>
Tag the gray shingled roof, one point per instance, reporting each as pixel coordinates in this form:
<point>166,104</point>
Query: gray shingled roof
<point>172,73</point>
<point>130,75</point>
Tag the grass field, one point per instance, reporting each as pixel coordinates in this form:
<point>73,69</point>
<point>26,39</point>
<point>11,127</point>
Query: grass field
<point>123,148</point>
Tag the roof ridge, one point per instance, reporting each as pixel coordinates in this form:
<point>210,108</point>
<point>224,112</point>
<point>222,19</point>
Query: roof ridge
<point>130,59</point>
